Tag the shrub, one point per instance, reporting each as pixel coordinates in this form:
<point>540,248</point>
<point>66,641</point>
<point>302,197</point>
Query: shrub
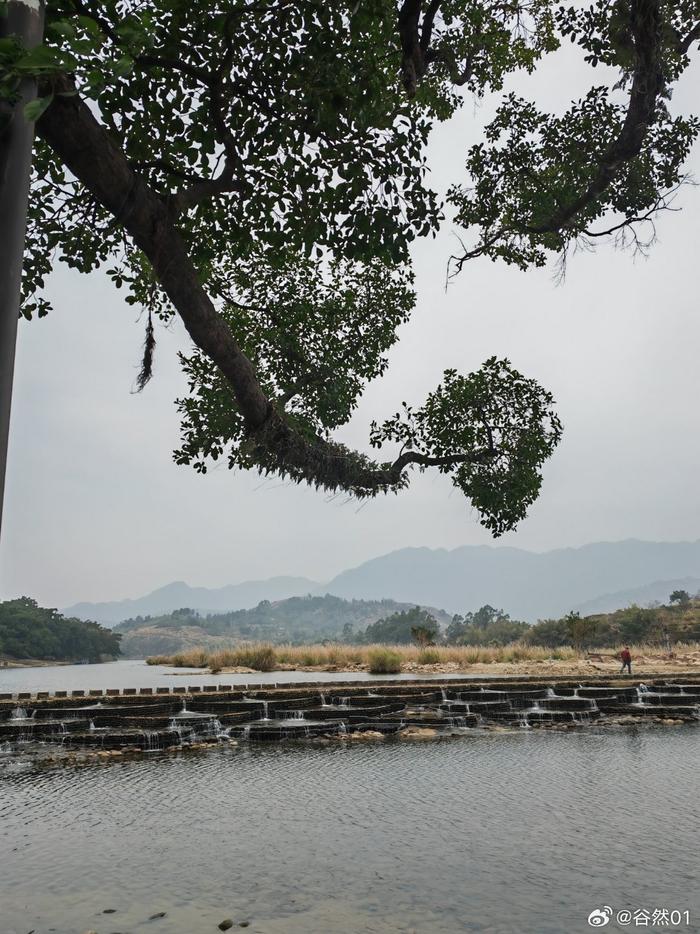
<point>384,662</point>
<point>428,657</point>
<point>258,657</point>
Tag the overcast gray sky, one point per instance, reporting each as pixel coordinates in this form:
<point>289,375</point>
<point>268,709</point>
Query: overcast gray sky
<point>96,509</point>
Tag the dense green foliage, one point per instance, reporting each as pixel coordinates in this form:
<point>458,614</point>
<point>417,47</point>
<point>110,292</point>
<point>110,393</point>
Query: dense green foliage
<point>486,626</point>
<point>259,169</point>
<point>30,631</point>
<point>402,628</point>
<point>662,625</point>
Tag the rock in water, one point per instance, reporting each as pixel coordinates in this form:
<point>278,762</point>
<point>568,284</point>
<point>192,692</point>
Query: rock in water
<point>225,924</point>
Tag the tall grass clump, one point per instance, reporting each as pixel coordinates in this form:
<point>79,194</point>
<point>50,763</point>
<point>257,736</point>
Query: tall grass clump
<point>258,656</point>
<point>383,661</point>
<point>428,657</point>
<point>191,658</point>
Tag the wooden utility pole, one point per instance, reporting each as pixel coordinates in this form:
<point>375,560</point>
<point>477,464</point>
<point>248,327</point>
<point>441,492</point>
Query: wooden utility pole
<point>24,19</point>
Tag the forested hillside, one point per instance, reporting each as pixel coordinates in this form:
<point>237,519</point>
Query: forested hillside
<point>297,620</point>
<point>28,630</point>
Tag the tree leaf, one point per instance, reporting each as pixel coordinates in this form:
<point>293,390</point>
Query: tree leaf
<point>34,109</point>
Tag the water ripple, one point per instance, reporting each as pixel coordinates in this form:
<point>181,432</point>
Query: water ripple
<point>495,833</point>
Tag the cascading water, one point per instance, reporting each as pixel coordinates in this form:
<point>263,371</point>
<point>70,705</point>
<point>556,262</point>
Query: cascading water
<point>176,728</point>
<point>151,740</point>
<point>19,713</point>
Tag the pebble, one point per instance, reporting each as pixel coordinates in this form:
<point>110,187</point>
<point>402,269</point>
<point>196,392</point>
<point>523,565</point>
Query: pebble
<point>158,914</point>
<point>225,924</point>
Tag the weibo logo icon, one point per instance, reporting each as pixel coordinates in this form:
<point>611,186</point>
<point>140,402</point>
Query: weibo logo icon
<point>599,917</point>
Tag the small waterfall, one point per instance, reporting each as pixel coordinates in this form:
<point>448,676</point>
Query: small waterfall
<point>295,715</point>
<point>265,715</point>
<point>151,740</point>
<point>245,734</point>
<point>19,713</point>
<point>176,728</point>
<point>444,694</point>
<point>217,728</point>
<point>551,692</point>
<point>91,727</point>
<point>523,722</point>
<point>342,729</point>
<point>323,700</point>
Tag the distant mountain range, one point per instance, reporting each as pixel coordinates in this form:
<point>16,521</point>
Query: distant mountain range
<point>600,577</point>
<point>527,585</point>
<point>177,595</point>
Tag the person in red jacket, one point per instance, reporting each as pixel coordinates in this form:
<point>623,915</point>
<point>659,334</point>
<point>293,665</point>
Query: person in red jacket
<point>626,660</point>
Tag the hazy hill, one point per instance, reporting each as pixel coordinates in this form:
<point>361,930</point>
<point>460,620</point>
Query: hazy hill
<point>656,592</point>
<point>179,594</point>
<point>525,584</point>
<point>529,586</point>
<point>297,620</point>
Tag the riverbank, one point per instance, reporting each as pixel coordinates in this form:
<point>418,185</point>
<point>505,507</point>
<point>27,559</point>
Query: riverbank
<point>449,660</point>
<point>31,663</point>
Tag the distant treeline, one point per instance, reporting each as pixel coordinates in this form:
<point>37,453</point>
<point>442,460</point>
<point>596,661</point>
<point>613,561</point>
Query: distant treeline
<point>30,631</point>
<point>679,621</point>
<point>296,620</point>
<point>314,619</point>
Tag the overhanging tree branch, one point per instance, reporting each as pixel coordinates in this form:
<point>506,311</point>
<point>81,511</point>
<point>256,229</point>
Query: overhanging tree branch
<point>272,442</point>
<point>72,131</point>
<point>647,83</point>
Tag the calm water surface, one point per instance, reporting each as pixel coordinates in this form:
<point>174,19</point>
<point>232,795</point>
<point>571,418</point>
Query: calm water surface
<point>521,832</point>
<point>135,673</point>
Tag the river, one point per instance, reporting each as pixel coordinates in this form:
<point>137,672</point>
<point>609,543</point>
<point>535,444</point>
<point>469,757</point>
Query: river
<point>135,673</point>
<point>521,832</point>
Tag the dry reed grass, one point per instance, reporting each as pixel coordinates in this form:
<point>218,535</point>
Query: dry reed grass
<point>265,657</point>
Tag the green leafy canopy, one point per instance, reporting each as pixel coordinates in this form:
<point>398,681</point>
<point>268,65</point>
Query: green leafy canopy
<point>259,169</point>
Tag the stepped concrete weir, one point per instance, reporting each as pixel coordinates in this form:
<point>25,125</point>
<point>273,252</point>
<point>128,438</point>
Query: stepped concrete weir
<point>149,720</point>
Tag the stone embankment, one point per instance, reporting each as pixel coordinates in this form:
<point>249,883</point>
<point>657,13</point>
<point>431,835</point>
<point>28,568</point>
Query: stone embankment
<point>162,718</point>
